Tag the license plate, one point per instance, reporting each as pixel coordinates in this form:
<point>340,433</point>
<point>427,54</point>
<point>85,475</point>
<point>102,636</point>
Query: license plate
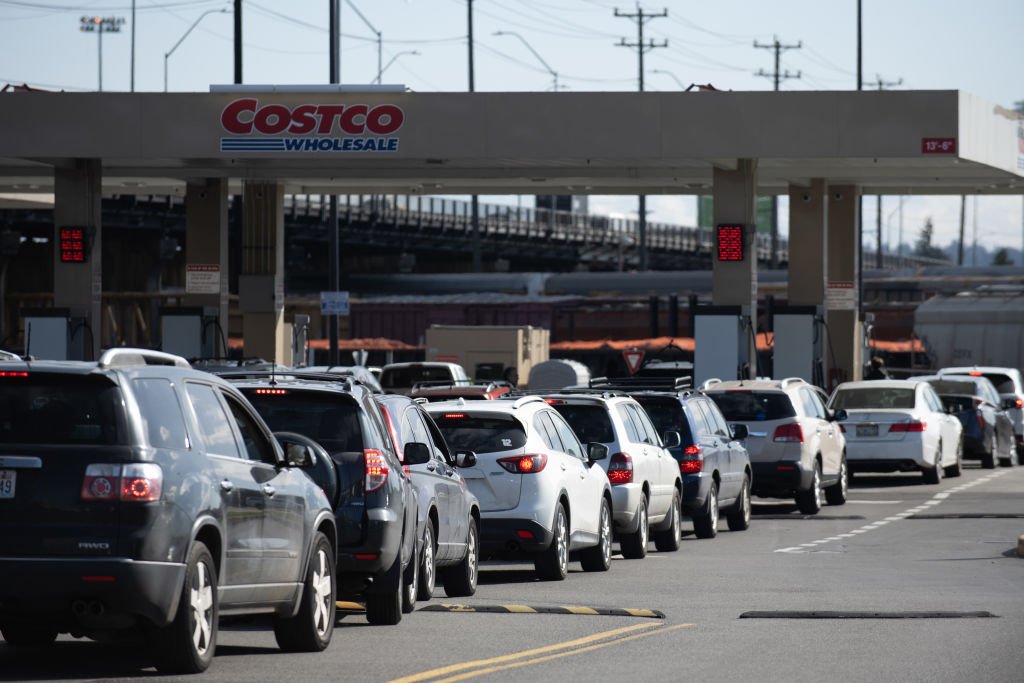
<point>7,479</point>
<point>867,430</point>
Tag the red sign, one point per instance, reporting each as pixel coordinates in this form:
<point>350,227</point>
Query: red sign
<point>633,359</point>
<point>938,145</point>
<point>730,242</point>
<point>72,245</point>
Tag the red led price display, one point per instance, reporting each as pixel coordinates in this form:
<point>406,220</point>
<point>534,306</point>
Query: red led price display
<point>730,242</point>
<point>72,245</point>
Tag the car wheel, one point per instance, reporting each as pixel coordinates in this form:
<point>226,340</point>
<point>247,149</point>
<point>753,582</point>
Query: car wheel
<point>634,545</point>
<point>599,557</point>
<point>411,583</point>
<point>186,645</point>
<point>739,517</point>
<point>809,501</point>
<point>837,492</point>
<point>552,564</point>
<point>667,540</point>
<point>428,569</point>
<point>988,460</point>
<point>310,630</point>
<point>956,468</point>
<point>385,608</point>
<point>460,580</point>
<point>28,636</point>
<point>705,525</point>
<point>1011,459</point>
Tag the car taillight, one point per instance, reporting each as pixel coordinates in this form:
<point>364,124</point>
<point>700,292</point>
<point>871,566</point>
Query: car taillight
<point>132,483</point>
<point>842,428</point>
<point>789,432</point>
<point>13,373</point>
<point>271,392</point>
<point>912,426</point>
<point>1019,403</point>
<point>620,469</point>
<point>693,460</point>
<point>524,464</point>
<point>376,469</point>
<point>981,420</point>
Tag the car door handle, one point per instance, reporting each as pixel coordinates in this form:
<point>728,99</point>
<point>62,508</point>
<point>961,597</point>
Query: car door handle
<point>431,467</point>
<point>564,467</point>
<point>227,486</point>
<point>269,490</point>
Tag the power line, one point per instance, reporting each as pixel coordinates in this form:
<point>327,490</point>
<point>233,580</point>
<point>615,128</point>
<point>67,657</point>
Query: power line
<point>779,48</point>
<point>882,85</point>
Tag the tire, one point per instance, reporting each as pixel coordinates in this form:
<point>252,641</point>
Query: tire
<point>28,636</point>
<point>410,584</point>
<point>933,475</point>
<point>836,493</point>
<point>552,564</point>
<point>599,557</point>
<point>809,501</point>
<point>956,468</point>
<point>705,525</point>
<point>310,630</point>
<point>667,540</point>
<point>739,517</point>
<point>428,568</point>
<point>187,644</point>
<point>988,460</point>
<point>1011,459</point>
<point>634,545</point>
<point>461,579</point>
<point>385,608</point>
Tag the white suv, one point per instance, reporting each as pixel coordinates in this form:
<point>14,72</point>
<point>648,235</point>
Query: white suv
<point>645,479</point>
<point>539,490</point>
<point>796,448</point>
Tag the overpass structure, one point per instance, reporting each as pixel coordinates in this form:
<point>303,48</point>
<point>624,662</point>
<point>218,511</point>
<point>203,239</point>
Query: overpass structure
<point>823,149</point>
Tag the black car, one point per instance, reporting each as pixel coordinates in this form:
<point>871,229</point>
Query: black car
<point>142,499</point>
<point>449,514</point>
<point>988,428</point>
<point>373,498</point>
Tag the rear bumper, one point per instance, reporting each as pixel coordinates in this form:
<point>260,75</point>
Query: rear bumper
<point>358,566</point>
<point>503,535</point>
<point>625,503</point>
<point>696,488</point>
<point>882,457</point>
<point>115,592</point>
<point>772,482</point>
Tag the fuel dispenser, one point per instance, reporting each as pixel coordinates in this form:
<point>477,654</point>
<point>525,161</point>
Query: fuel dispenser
<point>797,347</point>
<point>301,353</point>
<point>192,332</point>
<point>57,334</point>
<point>722,337</point>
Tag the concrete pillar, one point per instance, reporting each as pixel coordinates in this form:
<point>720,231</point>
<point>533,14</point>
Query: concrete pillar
<point>734,283</point>
<point>261,280</point>
<point>78,286</point>
<point>206,250</point>
<point>808,253</point>
<point>843,278</point>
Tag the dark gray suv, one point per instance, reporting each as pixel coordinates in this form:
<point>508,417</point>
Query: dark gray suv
<point>142,498</point>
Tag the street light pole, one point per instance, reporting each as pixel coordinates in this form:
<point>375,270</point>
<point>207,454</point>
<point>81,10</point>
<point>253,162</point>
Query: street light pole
<point>99,26</point>
<point>392,61</point>
<point>195,23</point>
<point>672,75</point>
<point>554,74</point>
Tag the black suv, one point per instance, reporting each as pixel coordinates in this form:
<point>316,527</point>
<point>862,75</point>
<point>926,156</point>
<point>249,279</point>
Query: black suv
<point>140,497</point>
<point>373,498</point>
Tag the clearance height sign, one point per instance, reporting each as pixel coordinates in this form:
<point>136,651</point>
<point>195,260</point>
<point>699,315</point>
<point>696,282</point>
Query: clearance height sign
<point>252,126</point>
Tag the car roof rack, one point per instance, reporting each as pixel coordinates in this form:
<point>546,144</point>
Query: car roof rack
<point>289,374</point>
<point>642,383</point>
<point>578,391</point>
<point>125,356</point>
<point>792,380</point>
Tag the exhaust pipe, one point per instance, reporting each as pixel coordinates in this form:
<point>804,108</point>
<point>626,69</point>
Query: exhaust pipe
<point>80,608</point>
<point>88,609</point>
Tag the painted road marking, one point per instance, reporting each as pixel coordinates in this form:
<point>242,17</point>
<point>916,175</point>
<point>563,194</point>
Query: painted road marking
<point>927,505</point>
<point>531,609</point>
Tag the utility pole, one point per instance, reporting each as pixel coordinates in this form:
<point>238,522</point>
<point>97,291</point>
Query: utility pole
<point>474,200</point>
<point>777,78</point>
<point>238,41</point>
<point>960,245</point>
<point>133,47</point>
<point>333,239</point>
<point>882,85</point>
<point>641,19</point>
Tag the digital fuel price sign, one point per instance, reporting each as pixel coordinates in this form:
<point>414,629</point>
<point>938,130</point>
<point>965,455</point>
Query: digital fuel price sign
<point>730,242</point>
<point>73,247</point>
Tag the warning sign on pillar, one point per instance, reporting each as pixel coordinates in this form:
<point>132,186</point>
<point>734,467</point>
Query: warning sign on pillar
<point>202,278</point>
<point>841,296</point>
<point>633,359</point>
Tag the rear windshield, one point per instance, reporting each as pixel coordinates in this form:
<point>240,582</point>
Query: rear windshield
<point>481,434</point>
<point>329,419</point>
<point>1003,384</point>
<point>948,386</point>
<point>753,406</point>
<point>406,377</point>
<point>957,404</point>
<point>667,416</point>
<point>61,409</point>
<point>590,422</point>
<point>873,398</point>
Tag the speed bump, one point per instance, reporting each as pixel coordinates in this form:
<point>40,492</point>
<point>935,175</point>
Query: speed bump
<point>531,609</point>
<point>350,606</point>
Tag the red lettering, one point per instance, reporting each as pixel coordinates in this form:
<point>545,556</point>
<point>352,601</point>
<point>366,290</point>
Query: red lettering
<point>231,117</point>
<point>328,113</point>
<point>385,119</point>
<point>272,119</point>
<point>303,119</point>
<point>353,120</point>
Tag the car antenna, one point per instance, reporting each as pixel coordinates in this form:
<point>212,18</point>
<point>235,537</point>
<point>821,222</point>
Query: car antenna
<point>273,373</point>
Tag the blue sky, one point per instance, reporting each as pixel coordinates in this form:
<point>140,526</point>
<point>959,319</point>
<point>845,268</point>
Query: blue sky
<point>919,44</point>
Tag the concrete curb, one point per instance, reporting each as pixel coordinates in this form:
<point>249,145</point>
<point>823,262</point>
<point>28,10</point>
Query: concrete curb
<point>1020,546</point>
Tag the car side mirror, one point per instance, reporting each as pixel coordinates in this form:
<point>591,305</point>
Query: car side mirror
<point>1009,403</point>
<point>596,451</point>
<point>839,415</point>
<point>739,432</point>
<point>416,453</point>
<point>465,459</point>
<point>671,439</point>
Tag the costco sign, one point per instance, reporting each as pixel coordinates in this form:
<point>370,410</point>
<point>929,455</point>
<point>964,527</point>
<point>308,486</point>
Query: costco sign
<point>253,127</point>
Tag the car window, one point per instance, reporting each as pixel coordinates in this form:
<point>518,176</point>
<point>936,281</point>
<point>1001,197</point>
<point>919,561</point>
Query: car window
<point>812,404</point>
<point>644,423</point>
<point>256,445</point>
<point>753,406</point>
<point>60,409</point>
<point>1003,383</point>
<point>161,413</point>
<point>570,444</point>
<point>715,419</point>
<point>632,430</point>
<point>667,416</point>
<point>590,422</point>
<point>547,432</point>
<point>930,398</point>
<point>332,420</point>
<point>704,428</point>
<point>214,423</point>
<point>481,433</point>
<point>419,432</point>
<point>856,398</point>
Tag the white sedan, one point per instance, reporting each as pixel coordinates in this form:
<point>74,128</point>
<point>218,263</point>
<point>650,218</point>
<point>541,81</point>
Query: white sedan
<point>898,426</point>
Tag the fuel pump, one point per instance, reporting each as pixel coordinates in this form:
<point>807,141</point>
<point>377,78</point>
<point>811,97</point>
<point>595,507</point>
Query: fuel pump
<point>722,339</point>
<point>192,332</point>
<point>797,346</point>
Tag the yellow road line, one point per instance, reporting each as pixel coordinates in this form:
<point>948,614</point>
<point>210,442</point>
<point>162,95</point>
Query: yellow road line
<point>452,668</point>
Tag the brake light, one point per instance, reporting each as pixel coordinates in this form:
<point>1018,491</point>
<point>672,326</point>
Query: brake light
<point>693,460</point>
<point>912,426</point>
<point>132,483</point>
<point>620,469</point>
<point>554,401</point>
<point>981,421</point>
<point>791,432</point>
<point>394,435</point>
<point>974,373</point>
<point>376,469</point>
<point>13,373</point>
<point>271,392</point>
<point>1019,403</point>
<point>454,416</point>
<point>524,464</point>
<point>842,428</point>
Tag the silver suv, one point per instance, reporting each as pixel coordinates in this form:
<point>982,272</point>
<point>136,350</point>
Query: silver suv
<point>796,448</point>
